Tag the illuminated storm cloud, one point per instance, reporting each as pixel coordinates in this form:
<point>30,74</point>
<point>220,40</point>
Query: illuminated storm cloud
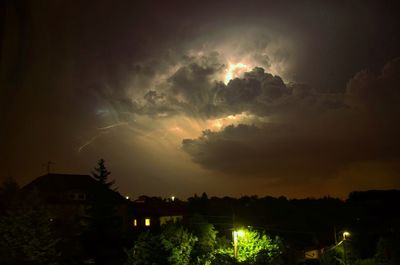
<point>226,97</point>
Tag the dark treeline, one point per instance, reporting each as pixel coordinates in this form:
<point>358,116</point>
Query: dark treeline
<point>29,235</point>
<point>308,221</point>
<point>369,215</point>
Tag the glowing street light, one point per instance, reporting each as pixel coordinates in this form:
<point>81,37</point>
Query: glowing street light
<point>236,235</point>
<point>346,234</point>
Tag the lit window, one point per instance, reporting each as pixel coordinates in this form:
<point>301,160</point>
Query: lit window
<point>147,222</point>
<point>134,222</point>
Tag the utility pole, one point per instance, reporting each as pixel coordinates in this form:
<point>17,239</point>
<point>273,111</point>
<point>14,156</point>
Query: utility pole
<point>335,234</point>
<point>235,244</point>
<point>346,235</point>
<point>234,233</point>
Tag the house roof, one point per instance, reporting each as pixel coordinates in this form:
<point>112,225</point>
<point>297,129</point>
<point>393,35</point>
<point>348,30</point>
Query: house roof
<point>61,182</point>
<point>54,184</point>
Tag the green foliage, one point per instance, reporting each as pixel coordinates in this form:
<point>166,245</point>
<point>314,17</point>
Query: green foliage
<point>255,248</point>
<point>172,246</point>
<point>342,253</point>
<point>367,262</point>
<point>147,250</point>
<point>388,249</point>
<point>333,256</point>
<point>254,244</point>
<point>205,246</point>
<point>223,259</point>
<point>178,243</point>
<point>26,235</point>
<point>175,245</point>
<point>386,253</point>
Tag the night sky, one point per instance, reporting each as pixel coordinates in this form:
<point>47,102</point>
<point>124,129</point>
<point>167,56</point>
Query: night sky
<point>293,98</point>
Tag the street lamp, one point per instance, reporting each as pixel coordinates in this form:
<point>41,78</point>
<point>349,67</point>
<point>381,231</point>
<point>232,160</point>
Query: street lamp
<point>236,235</point>
<point>346,234</point>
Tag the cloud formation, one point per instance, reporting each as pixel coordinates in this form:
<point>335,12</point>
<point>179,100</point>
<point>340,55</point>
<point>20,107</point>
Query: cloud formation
<point>313,135</point>
<point>196,89</point>
<point>125,81</point>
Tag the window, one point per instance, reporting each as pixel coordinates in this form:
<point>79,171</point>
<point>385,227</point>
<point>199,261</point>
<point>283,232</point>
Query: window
<point>147,222</point>
<point>134,222</point>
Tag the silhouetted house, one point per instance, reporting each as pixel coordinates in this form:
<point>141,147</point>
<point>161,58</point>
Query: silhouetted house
<point>69,197</point>
<point>152,212</point>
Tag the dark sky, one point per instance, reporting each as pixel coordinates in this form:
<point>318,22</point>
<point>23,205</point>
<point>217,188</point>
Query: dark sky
<point>294,98</point>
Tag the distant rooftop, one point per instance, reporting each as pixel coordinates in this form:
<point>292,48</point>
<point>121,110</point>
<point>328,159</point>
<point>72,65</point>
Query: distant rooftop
<point>61,182</point>
<point>58,183</point>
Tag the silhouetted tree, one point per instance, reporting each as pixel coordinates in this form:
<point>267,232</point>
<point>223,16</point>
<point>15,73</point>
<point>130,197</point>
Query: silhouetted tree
<point>26,235</point>
<point>8,194</point>
<point>178,243</point>
<point>256,248</point>
<point>103,235</point>
<point>172,246</point>
<point>205,246</point>
<point>388,249</point>
<point>332,256</point>
<point>101,174</point>
<point>147,250</point>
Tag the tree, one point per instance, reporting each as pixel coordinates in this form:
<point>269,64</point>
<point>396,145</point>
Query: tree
<point>172,246</point>
<point>388,247</point>
<point>26,235</point>
<point>8,194</point>
<point>333,256</point>
<point>178,243</point>
<point>102,202</point>
<point>224,259</point>
<point>256,248</point>
<point>204,248</point>
<point>147,250</point>
<point>101,174</point>
<point>102,237</point>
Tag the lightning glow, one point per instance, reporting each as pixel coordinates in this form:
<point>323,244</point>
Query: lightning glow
<point>91,140</point>
<point>112,126</point>
<point>235,70</point>
<point>241,118</point>
<point>102,130</point>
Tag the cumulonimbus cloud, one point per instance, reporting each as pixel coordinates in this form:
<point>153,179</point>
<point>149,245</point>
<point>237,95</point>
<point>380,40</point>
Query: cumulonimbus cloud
<point>313,136</point>
<point>196,89</point>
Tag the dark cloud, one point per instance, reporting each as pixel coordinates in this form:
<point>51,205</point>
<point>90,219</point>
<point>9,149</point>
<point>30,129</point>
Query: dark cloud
<point>376,93</point>
<point>69,69</point>
<point>316,139</point>
<point>196,89</point>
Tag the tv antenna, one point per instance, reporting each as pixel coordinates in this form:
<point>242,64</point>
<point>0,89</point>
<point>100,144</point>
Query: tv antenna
<point>48,166</point>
